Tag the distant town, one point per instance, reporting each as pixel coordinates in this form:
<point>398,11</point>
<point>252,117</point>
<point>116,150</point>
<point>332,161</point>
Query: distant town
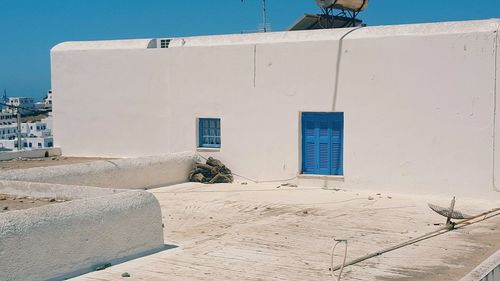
<point>25,124</point>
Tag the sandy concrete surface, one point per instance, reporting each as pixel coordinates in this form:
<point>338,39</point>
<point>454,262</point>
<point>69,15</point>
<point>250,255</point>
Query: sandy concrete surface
<point>44,162</point>
<point>262,232</point>
<point>13,203</point>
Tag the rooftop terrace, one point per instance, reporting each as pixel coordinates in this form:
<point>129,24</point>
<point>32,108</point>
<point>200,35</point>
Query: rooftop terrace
<point>274,232</point>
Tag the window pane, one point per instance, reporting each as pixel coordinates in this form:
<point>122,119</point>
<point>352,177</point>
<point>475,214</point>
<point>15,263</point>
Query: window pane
<point>209,130</point>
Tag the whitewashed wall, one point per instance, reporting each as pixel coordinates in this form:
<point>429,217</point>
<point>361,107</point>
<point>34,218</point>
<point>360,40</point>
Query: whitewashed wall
<point>419,101</point>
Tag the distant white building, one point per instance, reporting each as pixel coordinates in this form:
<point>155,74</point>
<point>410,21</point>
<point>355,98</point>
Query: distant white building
<point>25,105</point>
<point>49,121</point>
<point>8,132</point>
<point>38,142</point>
<point>36,135</point>
<point>33,135</point>
<point>7,118</point>
<point>8,137</point>
<point>28,143</point>
<point>48,100</point>
<point>35,129</point>
<point>46,103</point>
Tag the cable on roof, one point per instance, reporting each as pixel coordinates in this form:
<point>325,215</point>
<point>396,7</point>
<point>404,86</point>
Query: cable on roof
<point>337,242</point>
<point>486,215</point>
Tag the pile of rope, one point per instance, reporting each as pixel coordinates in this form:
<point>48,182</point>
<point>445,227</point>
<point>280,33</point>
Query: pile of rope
<point>213,171</point>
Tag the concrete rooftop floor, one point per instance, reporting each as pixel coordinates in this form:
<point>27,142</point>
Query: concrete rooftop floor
<point>261,232</point>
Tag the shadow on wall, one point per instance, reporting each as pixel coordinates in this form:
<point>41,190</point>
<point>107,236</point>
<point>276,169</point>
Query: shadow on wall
<point>337,67</point>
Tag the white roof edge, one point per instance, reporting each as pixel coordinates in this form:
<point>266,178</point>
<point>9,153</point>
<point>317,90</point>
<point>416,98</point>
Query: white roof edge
<point>484,268</point>
<point>101,45</point>
<point>424,29</point>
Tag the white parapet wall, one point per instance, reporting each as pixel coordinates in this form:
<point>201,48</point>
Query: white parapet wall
<point>33,153</point>
<point>97,227</point>
<point>129,173</point>
<point>419,102</point>
<point>488,270</point>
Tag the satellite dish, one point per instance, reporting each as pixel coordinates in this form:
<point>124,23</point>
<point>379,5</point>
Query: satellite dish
<point>352,5</point>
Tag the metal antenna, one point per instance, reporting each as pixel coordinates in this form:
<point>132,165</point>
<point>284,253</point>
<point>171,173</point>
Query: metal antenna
<point>264,15</point>
<point>449,213</point>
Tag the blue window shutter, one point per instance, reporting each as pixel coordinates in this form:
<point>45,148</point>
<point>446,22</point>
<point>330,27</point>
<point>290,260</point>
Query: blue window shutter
<point>337,146</point>
<point>322,143</point>
<point>209,132</point>
<point>309,140</point>
<point>324,158</point>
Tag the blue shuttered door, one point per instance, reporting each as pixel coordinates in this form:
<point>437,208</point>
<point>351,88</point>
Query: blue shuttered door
<point>309,145</point>
<point>322,143</point>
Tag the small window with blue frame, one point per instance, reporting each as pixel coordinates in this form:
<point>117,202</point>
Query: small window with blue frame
<point>209,132</point>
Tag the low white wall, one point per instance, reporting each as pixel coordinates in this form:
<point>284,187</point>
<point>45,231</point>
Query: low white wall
<point>35,153</point>
<point>489,270</point>
<point>131,173</point>
<point>67,239</point>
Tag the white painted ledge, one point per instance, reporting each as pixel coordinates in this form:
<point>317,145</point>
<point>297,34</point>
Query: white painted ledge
<point>63,240</point>
<point>127,173</point>
<point>321,177</point>
<point>486,271</point>
<point>207,149</point>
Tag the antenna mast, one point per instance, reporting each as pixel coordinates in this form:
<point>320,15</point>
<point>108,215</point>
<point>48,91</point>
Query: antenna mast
<point>264,27</point>
<point>264,15</point>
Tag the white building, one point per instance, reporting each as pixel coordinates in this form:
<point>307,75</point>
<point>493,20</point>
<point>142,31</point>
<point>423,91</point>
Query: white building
<point>35,129</point>
<point>23,104</point>
<point>7,118</point>
<point>36,135</point>
<point>8,130</point>
<point>408,107</point>
<point>48,99</point>
<point>38,142</point>
<point>33,135</point>
<point>46,103</point>
<point>48,121</point>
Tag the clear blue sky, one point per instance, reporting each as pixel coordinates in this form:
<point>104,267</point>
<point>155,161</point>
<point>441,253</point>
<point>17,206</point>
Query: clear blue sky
<point>29,28</point>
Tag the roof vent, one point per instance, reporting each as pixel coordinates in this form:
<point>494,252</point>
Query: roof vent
<point>164,43</point>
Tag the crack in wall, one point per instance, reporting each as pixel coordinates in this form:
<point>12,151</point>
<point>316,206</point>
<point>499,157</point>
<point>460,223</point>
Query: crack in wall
<point>495,53</point>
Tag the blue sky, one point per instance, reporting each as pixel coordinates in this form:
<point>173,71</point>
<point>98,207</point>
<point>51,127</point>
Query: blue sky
<point>29,28</point>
